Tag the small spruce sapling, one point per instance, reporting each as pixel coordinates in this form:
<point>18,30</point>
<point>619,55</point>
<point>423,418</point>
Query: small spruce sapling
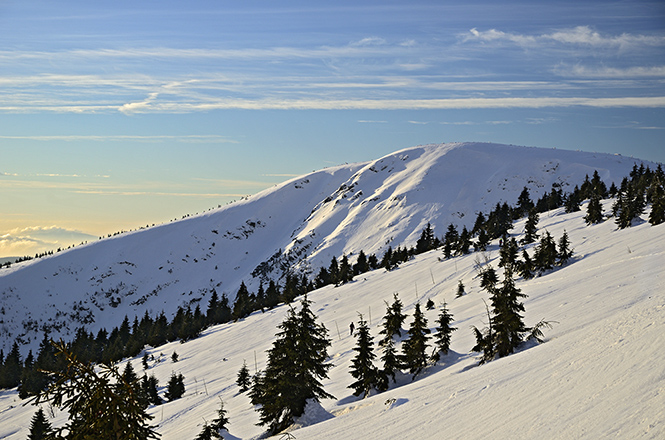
<point>244,379</point>
<point>40,427</point>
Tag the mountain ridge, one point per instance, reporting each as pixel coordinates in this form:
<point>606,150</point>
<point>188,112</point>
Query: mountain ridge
<point>301,223</point>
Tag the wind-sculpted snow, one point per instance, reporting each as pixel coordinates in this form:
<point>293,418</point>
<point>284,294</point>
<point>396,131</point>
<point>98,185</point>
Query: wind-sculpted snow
<point>296,226</point>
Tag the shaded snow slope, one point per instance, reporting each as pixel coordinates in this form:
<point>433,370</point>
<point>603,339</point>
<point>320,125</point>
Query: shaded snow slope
<point>598,375</point>
<point>300,224</point>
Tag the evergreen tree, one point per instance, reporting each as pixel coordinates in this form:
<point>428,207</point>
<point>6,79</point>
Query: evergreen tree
<point>415,346</point>
<point>149,390</point>
<point>443,333</point>
<point>598,187</point>
<point>483,240</point>
<point>244,378</point>
<point>296,364</point>
<point>488,278</point>
<point>524,203</point>
<point>272,295</point>
<point>333,271</point>
<point>322,278</point>
<point>40,427</point>
<point>464,242</point>
<point>362,365</point>
<point>387,259</point>
<point>430,304</point>
<point>242,306</point>
<point>390,359</point>
<point>361,265</point>
<point>526,267</point>
<point>129,375</point>
<point>345,271</point>
<point>594,210</point>
<point>427,241</point>
<point>508,324</point>
<point>212,430</point>
<point>573,200</point>
<point>564,252</point>
<point>86,393</point>
<point>11,374</point>
<point>505,327</point>
<point>479,223</point>
<point>545,255</point>
<point>175,387</point>
<point>392,320</point>
<point>450,240</point>
<point>508,253</point>
<point>657,214</point>
<point>531,228</point>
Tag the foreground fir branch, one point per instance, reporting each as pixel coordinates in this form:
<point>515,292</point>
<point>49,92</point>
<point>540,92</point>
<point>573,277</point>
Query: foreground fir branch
<point>100,402</point>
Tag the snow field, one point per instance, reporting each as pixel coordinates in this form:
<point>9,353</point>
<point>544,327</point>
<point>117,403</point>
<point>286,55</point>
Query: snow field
<point>598,375</point>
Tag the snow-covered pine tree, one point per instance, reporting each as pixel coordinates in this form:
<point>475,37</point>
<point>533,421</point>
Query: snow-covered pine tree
<point>296,365</point>
<point>362,365</point>
<point>443,333</point>
<point>414,357</point>
<point>40,427</point>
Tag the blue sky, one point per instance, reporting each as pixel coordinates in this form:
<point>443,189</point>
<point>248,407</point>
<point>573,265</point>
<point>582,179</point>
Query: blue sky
<point>122,114</point>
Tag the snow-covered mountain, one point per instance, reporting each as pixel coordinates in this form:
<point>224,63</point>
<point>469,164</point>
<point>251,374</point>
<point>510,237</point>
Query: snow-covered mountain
<point>300,224</point>
<point>599,373</point>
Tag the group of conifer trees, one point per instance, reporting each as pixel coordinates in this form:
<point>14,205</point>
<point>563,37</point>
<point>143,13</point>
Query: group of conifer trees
<point>504,332</point>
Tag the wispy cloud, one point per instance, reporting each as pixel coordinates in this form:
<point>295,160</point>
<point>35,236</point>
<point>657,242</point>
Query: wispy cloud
<point>578,36</point>
<point>610,72</point>
<point>412,104</point>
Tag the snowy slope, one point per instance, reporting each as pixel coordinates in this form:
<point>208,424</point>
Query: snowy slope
<point>302,223</point>
<point>598,375</point>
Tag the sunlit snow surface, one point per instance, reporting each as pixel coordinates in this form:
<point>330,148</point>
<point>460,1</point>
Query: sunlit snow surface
<point>600,373</point>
